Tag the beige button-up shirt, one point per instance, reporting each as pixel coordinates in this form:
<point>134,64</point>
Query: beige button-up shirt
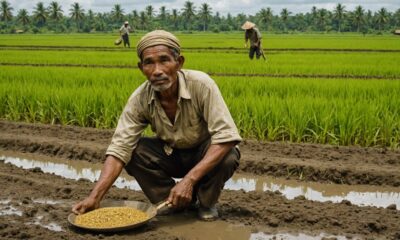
<point>201,114</point>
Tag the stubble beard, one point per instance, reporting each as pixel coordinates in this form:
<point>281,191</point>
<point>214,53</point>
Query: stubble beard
<point>162,87</point>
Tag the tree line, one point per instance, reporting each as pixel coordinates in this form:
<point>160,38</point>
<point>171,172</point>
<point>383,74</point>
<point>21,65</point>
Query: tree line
<point>55,18</point>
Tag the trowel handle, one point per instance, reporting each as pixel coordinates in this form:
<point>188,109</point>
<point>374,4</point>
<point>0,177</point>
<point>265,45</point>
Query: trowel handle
<point>164,204</point>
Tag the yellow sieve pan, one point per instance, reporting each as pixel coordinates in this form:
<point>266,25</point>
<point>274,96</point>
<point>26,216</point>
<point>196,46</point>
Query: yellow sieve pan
<point>148,208</point>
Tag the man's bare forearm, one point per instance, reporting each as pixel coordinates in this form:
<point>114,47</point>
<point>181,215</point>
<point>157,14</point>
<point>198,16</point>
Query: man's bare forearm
<point>213,156</point>
<point>111,170</point>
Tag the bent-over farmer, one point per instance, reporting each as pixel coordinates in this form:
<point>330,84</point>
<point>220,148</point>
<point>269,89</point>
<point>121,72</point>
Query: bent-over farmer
<point>253,35</point>
<point>195,140</point>
<point>124,33</point>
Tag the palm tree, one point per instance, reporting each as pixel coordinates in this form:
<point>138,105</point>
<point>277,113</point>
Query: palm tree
<point>117,13</point>
<point>382,18</point>
<point>285,15</point>
<point>40,14</point>
<point>240,18</point>
<point>314,15</point>
<point>135,19</point>
<point>175,16</point>
<point>23,17</point>
<point>205,15</point>
<point>6,11</point>
<point>266,16</point>
<point>143,20</point>
<point>217,18</point>
<point>339,15</point>
<point>91,19</point>
<point>322,18</point>
<point>358,17</point>
<point>55,12</point>
<point>150,12</point>
<point>188,12</point>
<point>397,18</point>
<point>163,15</point>
<point>229,21</point>
<point>149,16</point>
<point>77,13</point>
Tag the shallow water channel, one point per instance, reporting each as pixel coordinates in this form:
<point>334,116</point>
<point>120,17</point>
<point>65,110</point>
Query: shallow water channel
<point>362,195</point>
<point>188,226</point>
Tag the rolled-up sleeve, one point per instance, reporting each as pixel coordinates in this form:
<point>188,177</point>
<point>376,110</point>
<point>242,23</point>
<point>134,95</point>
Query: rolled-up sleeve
<point>220,123</point>
<point>130,127</point>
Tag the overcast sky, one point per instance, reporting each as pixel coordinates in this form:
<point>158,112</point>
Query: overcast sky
<point>221,6</point>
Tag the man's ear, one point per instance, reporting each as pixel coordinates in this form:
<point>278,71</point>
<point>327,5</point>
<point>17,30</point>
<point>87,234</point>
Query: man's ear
<point>181,61</point>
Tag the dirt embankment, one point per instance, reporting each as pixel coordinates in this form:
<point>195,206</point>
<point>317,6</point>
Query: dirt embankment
<point>311,162</point>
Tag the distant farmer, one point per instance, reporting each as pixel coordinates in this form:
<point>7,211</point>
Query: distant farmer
<point>254,35</point>
<point>195,135</point>
<point>124,33</point>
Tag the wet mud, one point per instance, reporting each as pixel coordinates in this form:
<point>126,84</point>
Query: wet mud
<point>360,195</point>
<point>25,212</point>
<point>310,162</point>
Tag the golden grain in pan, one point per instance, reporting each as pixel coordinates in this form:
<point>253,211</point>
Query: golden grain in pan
<point>111,217</point>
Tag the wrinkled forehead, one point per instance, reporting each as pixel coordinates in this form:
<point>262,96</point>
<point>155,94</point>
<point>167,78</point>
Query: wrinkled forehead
<point>156,51</point>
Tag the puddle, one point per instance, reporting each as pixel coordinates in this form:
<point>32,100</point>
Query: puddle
<point>188,227</point>
<point>48,201</point>
<point>286,236</point>
<point>5,201</point>
<point>70,169</point>
<point>51,226</point>
<point>362,195</point>
<point>9,210</point>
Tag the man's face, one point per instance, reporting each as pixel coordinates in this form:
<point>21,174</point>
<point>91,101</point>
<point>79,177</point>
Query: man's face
<point>160,67</point>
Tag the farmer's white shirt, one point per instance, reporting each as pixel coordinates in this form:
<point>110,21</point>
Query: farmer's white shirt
<point>125,30</point>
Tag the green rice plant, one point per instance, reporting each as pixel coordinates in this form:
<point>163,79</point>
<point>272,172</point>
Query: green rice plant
<point>385,65</point>
<point>212,40</point>
<point>320,110</point>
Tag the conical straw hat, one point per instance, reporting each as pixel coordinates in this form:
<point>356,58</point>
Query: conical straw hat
<point>248,25</point>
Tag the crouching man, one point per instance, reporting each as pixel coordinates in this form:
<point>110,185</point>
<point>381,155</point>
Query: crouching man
<point>195,140</point>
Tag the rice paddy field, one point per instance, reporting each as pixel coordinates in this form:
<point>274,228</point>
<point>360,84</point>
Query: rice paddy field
<point>335,89</point>
<point>320,120</point>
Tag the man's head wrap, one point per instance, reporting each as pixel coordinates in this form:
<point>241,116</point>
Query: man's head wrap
<point>157,37</point>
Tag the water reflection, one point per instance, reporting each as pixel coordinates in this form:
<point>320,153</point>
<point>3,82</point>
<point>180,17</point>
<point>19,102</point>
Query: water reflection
<point>357,194</point>
<point>287,236</point>
<point>363,195</point>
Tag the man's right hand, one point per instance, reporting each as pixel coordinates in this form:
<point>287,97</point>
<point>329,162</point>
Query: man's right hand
<point>245,45</point>
<point>86,205</point>
<point>111,169</point>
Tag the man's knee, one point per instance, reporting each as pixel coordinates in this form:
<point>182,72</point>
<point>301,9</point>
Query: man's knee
<point>231,160</point>
<point>142,154</point>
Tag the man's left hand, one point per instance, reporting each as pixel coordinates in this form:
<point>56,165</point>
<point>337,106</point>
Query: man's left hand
<point>181,195</point>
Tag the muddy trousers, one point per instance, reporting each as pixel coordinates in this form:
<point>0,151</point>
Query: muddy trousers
<point>154,170</point>
<point>125,38</point>
<point>254,50</point>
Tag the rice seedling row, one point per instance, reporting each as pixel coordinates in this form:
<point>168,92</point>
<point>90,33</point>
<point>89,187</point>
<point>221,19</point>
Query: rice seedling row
<point>331,111</point>
<point>354,64</point>
<point>222,40</point>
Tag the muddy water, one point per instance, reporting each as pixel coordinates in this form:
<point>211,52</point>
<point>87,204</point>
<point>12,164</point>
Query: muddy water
<point>184,225</point>
<point>187,226</point>
<point>357,194</point>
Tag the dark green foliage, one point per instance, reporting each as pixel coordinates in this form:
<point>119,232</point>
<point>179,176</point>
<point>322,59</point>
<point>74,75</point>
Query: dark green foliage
<point>190,17</point>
